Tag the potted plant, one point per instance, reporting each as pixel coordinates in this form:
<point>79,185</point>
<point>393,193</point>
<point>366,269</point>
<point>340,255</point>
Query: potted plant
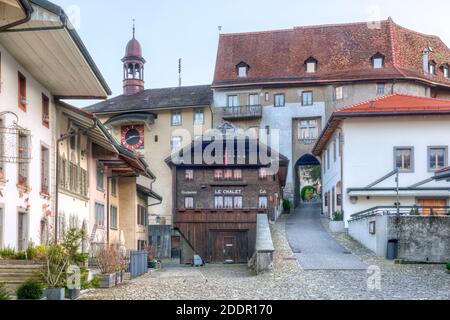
<point>54,269</point>
<point>72,243</point>
<point>30,290</point>
<point>287,206</point>
<point>107,262</point>
<point>337,224</point>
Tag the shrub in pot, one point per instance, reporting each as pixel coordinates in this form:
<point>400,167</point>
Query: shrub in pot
<point>108,260</point>
<point>54,271</point>
<point>287,206</point>
<point>30,290</point>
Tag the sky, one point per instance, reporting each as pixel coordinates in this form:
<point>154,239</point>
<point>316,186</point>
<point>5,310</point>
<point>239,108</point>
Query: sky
<point>188,29</point>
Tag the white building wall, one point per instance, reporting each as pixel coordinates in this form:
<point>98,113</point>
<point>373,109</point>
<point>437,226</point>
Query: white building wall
<point>13,198</point>
<point>369,155</point>
<point>331,173</point>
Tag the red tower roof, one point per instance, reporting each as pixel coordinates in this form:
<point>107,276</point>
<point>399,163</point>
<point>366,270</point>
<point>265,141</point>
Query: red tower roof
<point>134,49</point>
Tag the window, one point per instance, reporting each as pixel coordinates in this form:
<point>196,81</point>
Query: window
<point>378,62</point>
<point>2,165</point>
<point>100,176</point>
<point>99,215</point>
<point>432,67</point>
<point>326,199</point>
<point>262,202</point>
<point>114,187</point>
<point>446,71</point>
<point>307,98</point>
<point>176,118</point>
<point>23,160</point>
<point>189,175</point>
<point>238,202</point>
<point>228,202</point>
<point>233,101</point>
<point>45,170</point>
<point>113,218</point>
<point>262,174</point>
<point>311,65</point>
<point>142,244</point>
<point>218,174</point>
<point>199,117</point>
<point>437,158</point>
<point>328,159</point>
<point>218,202</point>
<point>1,227</point>
<point>45,111</point>
<point>189,202</point>
<point>381,88</point>
<point>267,96</point>
<point>142,216</point>
<point>22,92</point>
<point>334,149</point>
<point>308,130</point>
<point>242,72</point>
<point>176,143</point>
<point>404,158</point>
<point>237,174</point>
<point>253,99</point>
<point>228,174</point>
<point>339,93</point>
<point>279,100</point>
<point>324,161</point>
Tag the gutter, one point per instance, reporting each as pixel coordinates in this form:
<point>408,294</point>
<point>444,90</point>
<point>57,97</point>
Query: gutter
<point>27,9</point>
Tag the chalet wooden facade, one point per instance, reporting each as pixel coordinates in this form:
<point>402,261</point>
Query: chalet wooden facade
<point>215,206</point>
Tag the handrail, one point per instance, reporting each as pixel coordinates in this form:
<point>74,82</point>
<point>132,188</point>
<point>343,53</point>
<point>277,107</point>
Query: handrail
<point>403,211</point>
<point>242,111</point>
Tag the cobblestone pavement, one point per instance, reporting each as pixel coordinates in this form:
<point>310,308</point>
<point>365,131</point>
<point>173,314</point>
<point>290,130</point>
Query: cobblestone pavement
<point>287,281</point>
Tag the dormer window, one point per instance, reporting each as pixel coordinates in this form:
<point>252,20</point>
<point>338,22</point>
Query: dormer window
<point>242,69</point>
<point>446,70</point>
<point>432,67</point>
<point>378,61</point>
<point>311,65</point>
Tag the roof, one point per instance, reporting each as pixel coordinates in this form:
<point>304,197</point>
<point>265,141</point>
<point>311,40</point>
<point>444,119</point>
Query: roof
<point>152,99</point>
<point>47,45</point>
<point>387,106</point>
<point>343,52</point>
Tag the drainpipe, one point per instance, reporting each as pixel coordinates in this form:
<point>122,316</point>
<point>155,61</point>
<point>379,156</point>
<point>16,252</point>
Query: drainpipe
<point>27,9</point>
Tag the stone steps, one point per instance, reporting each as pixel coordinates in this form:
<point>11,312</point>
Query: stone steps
<point>15,273</point>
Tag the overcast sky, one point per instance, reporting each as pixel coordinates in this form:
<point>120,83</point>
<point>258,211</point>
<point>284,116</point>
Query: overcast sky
<point>188,29</point>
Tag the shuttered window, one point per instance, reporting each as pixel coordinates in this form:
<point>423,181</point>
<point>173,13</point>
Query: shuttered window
<point>45,111</point>
<point>142,216</point>
<point>99,215</point>
<point>23,178</point>
<point>45,170</point>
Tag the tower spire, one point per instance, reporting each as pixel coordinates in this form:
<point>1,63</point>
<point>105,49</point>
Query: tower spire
<point>134,28</point>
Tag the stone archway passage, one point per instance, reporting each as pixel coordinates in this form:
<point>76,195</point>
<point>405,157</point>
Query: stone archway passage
<point>305,161</point>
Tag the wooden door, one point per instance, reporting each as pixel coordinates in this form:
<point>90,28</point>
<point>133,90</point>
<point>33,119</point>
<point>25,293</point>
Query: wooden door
<point>22,232</point>
<point>176,247</point>
<point>432,203</point>
<point>229,249</point>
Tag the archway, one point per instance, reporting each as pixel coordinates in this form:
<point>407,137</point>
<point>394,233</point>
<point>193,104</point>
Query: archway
<point>308,182</point>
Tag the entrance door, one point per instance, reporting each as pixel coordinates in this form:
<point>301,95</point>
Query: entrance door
<point>432,203</point>
<point>22,231</point>
<point>229,250</point>
<point>176,247</point>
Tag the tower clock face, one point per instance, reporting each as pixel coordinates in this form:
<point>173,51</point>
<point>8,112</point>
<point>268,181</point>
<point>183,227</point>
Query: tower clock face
<point>133,137</point>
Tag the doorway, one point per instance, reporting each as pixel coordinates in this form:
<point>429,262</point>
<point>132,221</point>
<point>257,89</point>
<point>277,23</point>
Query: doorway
<point>308,177</point>
<point>229,249</point>
<point>22,231</point>
<point>175,245</point>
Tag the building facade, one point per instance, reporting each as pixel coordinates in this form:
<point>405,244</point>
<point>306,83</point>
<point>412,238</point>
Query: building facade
<point>294,79</point>
<point>365,148</point>
<point>216,206</point>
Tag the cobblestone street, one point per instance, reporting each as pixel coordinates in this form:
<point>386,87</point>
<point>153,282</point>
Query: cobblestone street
<point>287,281</point>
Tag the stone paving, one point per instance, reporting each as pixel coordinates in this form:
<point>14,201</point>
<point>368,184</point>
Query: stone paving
<point>288,280</point>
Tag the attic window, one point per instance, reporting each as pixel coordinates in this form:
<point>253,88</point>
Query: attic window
<point>242,69</point>
<point>311,65</point>
<point>432,67</point>
<point>446,71</point>
<point>378,61</point>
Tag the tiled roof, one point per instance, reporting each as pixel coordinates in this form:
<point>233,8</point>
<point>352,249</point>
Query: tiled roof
<point>396,104</point>
<point>343,52</point>
<point>176,97</point>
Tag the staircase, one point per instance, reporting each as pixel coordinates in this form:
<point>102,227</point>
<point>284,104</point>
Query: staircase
<point>14,273</point>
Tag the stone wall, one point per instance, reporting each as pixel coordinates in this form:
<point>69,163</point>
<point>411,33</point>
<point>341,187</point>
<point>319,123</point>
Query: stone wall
<point>421,239</point>
<point>262,259</point>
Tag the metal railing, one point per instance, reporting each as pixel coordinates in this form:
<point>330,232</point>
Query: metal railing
<point>242,112</point>
<point>402,211</point>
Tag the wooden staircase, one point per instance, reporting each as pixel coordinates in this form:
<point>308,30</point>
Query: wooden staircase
<point>14,273</point>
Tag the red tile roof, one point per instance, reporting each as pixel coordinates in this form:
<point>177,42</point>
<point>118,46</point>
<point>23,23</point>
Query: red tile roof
<point>343,52</point>
<point>396,104</point>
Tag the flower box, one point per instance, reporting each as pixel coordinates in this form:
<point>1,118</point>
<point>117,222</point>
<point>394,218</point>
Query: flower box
<point>108,280</point>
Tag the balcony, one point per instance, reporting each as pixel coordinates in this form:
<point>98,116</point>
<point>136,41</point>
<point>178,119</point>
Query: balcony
<point>242,112</point>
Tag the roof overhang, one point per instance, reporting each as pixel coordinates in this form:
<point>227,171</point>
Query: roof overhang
<point>149,193</point>
<point>131,118</point>
<point>47,45</point>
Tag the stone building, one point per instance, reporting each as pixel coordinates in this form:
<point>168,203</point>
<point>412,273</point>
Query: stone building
<point>294,79</point>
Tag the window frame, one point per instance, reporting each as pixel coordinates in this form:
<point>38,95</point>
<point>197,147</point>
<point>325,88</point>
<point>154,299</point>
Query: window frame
<point>266,202</point>
<point>432,67</point>
<point>114,187</point>
<point>172,144</point>
<point>379,85</point>
<point>189,175</point>
<point>250,95</point>
<point>45,111</point>
<point>233,97</point>
<point>172,117</point>
<point>100,186</point>
<point>429,150</point>
<point>45,170</point>
<point>309,129</point>
<point>23,165</point>
<point>189,200</point>
<point>341,90</point>
<point>22,92</point>
<point>97,216</point>
<point>113,209</point>
<point>398,148</point>
<point>309,102</point>
<point>196,112</point>
<point>275,100</point>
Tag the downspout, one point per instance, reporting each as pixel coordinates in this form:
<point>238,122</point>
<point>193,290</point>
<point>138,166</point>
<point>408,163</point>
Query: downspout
<point>27,9</point>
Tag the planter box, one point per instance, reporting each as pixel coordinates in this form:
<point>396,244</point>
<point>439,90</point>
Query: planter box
<point>108,280</point>
<point>337,226</point>
<point>55,294</point>
<point>73,294</point>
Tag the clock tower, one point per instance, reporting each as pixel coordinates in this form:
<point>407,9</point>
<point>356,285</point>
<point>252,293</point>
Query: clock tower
<point>133,67</point>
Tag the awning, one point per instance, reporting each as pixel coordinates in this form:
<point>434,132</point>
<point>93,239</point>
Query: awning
<point>50,49</point>
<point>149,193</point>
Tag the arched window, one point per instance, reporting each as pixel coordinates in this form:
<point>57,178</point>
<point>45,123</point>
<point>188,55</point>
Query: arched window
<point>377,61</point>
<point>311,65</point>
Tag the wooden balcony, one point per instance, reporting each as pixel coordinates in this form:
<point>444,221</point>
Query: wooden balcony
<point>242,112</point>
